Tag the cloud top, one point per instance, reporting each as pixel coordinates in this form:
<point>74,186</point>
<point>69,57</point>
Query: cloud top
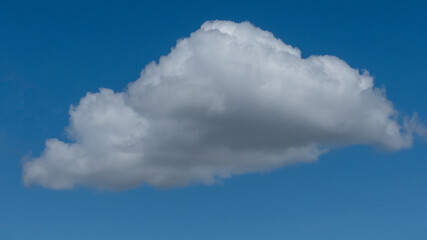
<point>230,99</point>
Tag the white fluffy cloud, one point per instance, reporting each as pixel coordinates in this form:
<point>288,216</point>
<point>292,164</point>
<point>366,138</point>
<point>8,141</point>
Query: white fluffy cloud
<point>229,99</point>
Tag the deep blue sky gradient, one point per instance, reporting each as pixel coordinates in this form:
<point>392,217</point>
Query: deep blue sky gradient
<point>53,52</point>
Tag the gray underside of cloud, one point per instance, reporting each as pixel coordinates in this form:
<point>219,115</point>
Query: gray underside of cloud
<point>230,99</point>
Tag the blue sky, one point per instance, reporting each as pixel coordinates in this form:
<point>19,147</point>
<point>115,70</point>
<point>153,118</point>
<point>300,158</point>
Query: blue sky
<point>52,54</point>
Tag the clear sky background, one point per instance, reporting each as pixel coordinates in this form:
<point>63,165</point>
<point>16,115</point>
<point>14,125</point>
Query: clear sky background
<point>52,53</point>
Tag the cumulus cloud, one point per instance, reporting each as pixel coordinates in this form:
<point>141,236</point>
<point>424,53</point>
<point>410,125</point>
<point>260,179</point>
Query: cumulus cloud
<point>230,99</point>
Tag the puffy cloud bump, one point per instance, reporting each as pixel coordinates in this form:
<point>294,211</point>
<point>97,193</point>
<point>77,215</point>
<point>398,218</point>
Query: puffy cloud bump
<point>230,99</point>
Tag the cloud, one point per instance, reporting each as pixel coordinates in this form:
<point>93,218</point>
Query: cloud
<point>230,99</point>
